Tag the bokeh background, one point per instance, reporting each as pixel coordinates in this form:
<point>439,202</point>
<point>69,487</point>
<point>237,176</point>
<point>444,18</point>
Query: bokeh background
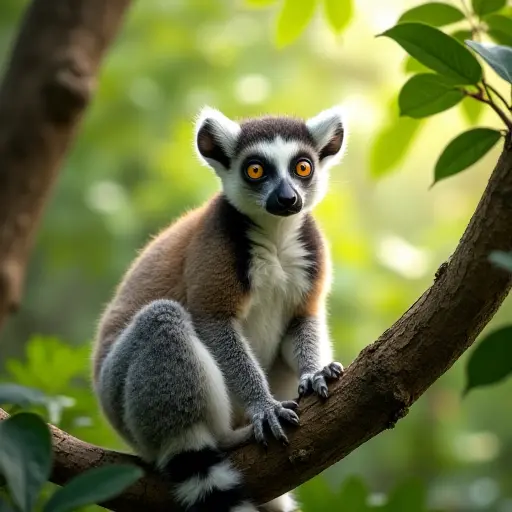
<point>133,170</point>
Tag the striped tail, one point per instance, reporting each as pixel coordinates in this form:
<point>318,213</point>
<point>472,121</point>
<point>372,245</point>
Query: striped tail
<point>205,481</point>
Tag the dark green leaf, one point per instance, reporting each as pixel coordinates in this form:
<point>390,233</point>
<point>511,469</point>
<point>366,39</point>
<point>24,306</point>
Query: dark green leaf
<point>427,94</point>
<point>491,361</point>
<point>464,151</point>
<point>354,495</point>
<point>502,259</point>
<point>413,66</point>
<point>13,394</point>
<point>483,7</point>
<point>4,506</point>
<point>462,35</point>
<point>498,57</point>
<point>409,495</point>
<point>25,457</point>
<point>500,28</point>
<point>472,109</point>
<point>436,14</point>
<point>93,486</point>
<point>293,19</point>
<point>339,13</point>
<point>392,142</point>
<point>438,51</point>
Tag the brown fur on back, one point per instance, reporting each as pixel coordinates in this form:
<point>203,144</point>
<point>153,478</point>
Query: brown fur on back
<point>191,262</point>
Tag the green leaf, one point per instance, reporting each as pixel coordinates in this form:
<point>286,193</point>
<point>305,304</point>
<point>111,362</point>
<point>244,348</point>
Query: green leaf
<point>4,506</point>
<point>413,66</point>
<point>491,361</point>
<point>500,28</point>
<point>462,35</point>
<point>498,57</point>
<point>483,7</point>
<point>464,151</point>
<point>436,14</point>
<point>339,13</point>
<point>392,142</point>
<point>94,486</point>
<point>502,259</point>
<point>472,109</point>
<point>14,394</point>
<point>437,50</point>
<point>25,457</point>
<point>427,94</point>
<point>293,19</point>
<point>409,495</point>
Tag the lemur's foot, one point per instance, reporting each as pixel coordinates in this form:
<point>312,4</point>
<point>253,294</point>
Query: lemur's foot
<point>317,382</point>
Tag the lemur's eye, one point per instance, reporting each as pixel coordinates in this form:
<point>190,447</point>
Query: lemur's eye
<point>255,171</point>
<point>303,168</point>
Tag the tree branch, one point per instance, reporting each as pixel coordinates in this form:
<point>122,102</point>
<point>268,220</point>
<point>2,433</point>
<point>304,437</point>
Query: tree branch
<point>40,103</point>
<point>47,86</point>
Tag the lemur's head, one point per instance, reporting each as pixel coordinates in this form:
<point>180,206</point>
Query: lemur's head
<point>271,165</point>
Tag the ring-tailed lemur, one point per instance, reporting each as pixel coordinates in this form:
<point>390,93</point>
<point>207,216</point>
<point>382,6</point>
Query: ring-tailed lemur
<point>223,315</point>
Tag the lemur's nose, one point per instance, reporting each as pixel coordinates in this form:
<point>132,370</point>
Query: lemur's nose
<point>286,196</point>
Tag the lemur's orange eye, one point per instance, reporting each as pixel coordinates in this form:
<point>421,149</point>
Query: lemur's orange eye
<point>303,168</point>
<point>255,171</point>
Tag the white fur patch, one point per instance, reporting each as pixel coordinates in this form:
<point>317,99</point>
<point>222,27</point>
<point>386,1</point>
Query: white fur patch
<point>279,281</point>
<point>221,477</point>
<point>226,133</point>
<point>323,126</point>
<point>284,503</point>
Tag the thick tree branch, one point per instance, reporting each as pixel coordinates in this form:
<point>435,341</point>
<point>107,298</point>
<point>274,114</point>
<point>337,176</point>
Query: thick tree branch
<point>379,386</point>
<point>47,86</point>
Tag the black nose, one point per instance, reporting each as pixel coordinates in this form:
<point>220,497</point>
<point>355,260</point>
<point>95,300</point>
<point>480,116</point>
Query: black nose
<point>285,195</point>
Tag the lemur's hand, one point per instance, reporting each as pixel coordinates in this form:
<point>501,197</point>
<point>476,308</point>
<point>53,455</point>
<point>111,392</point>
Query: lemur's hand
<point>317,381</point>
<point>271,412</point>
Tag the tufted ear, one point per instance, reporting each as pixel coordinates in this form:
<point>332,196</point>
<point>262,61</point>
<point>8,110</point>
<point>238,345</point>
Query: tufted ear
<point>328,131</point>
<point>216,137</point>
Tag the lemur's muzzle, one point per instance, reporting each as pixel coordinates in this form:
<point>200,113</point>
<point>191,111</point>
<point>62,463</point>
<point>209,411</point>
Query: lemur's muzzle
<point>284,200</point>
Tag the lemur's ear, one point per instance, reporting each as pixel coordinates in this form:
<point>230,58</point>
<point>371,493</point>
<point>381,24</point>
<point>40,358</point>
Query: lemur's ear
<point>328,131</point>
<point>216,137</point>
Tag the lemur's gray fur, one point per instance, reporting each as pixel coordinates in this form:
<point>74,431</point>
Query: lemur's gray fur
<point>222,318</point>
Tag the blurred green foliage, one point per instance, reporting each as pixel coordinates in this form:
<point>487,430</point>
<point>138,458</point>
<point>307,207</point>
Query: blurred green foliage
<point>133,170</point>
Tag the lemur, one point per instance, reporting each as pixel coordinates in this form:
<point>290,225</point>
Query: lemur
<point>221,319</point>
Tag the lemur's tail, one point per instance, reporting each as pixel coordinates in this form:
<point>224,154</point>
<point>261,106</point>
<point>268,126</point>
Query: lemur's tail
<point>206,481</point>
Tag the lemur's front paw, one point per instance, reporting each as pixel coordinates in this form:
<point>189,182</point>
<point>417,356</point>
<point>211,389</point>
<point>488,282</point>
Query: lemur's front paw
<point>271,413</point>
<point>317,381</point>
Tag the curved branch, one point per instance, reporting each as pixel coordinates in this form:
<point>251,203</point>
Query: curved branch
<point>378,387</point>
<point>48,84</point>
<point>60,44</point>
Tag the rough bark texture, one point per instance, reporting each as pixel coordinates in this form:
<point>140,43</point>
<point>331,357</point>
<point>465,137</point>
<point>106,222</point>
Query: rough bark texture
<point>47,86</point>
<point>378,387</point>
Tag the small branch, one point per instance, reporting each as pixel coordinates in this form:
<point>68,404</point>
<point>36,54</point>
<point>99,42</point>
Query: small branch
<point>480,97</point>
<point>48,84</point>
<point>498,94</point>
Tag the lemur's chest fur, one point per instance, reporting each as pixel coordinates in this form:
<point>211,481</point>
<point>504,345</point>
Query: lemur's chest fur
<point>279,280</point>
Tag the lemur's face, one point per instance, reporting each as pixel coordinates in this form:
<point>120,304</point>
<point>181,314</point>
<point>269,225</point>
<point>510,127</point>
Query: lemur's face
<point>274,166</point>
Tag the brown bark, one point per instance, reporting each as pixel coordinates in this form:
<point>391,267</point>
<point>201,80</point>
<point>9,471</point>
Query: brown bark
<point>48,84</point>
<point>47,87</point>
<point>378,387</point>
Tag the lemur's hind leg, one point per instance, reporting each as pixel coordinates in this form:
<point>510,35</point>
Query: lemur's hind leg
<point>160,383</point>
